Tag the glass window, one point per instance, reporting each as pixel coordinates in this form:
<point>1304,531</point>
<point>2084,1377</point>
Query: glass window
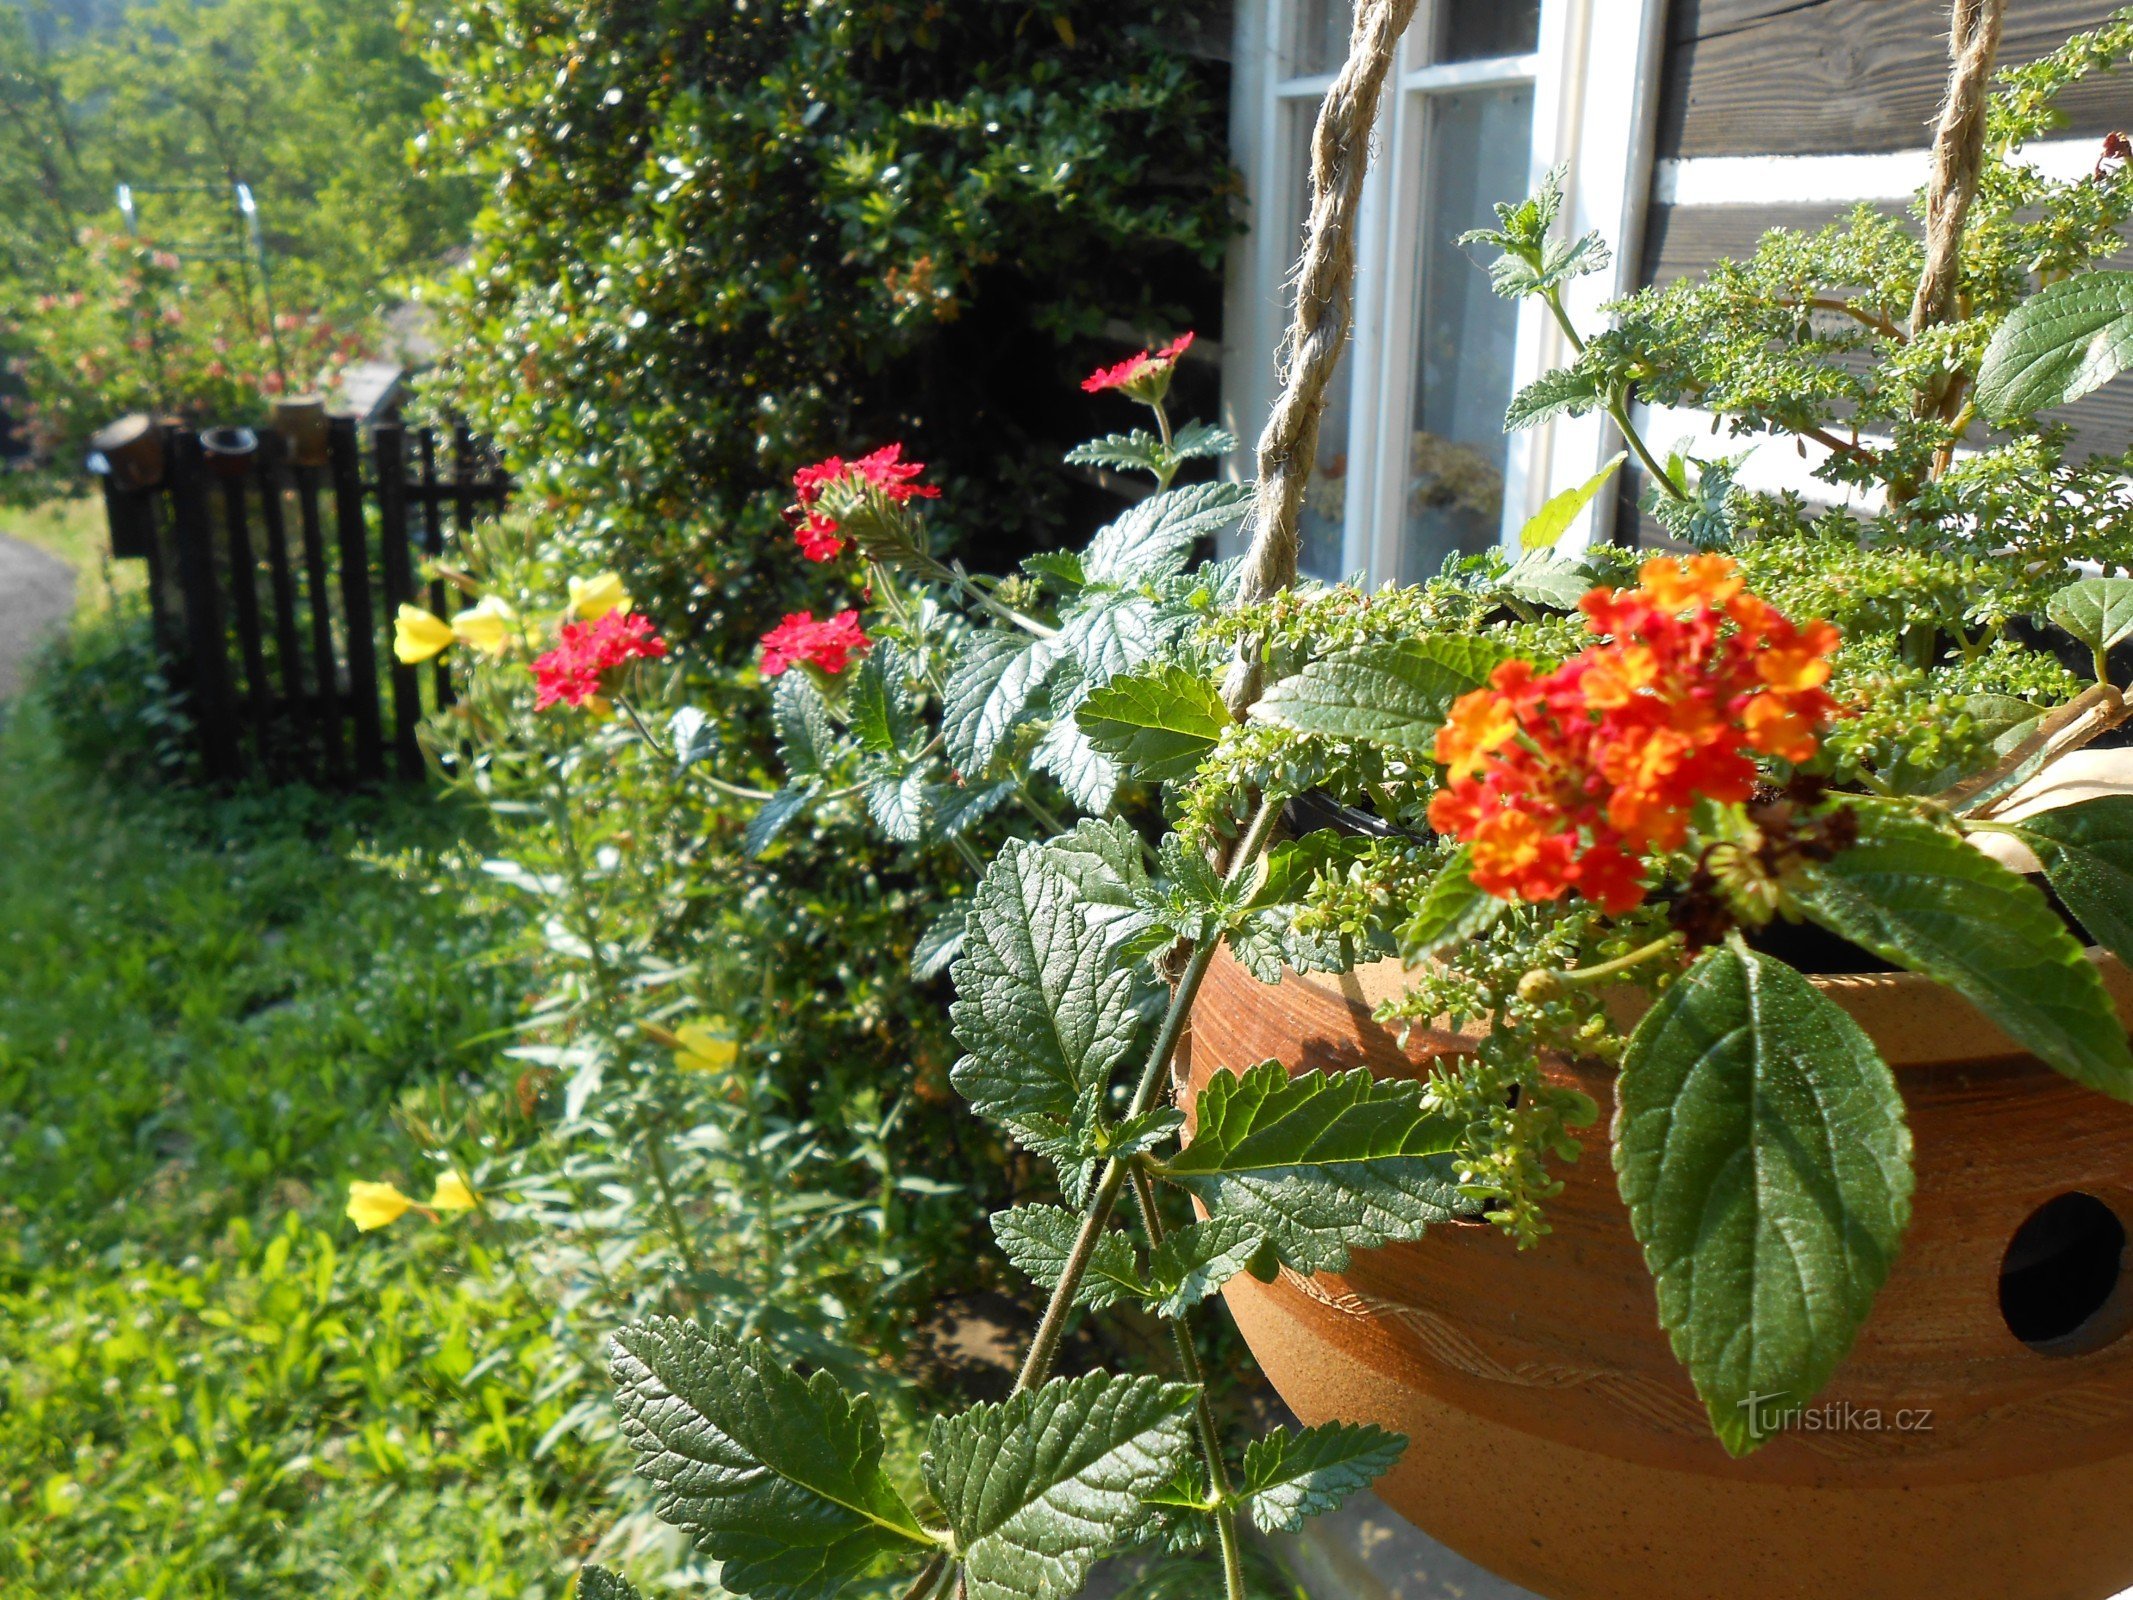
<point>1474,30</point>
<point>1318,36</point>
<point>1479,142</point>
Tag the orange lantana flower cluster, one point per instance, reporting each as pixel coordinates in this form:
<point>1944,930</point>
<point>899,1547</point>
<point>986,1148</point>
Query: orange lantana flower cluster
<point>1567,780</point>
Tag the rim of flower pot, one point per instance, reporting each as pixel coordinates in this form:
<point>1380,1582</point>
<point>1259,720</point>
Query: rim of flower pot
<point>1913,1020</point>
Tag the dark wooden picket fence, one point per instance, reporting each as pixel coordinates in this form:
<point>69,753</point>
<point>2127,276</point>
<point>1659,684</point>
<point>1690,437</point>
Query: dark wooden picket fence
<point>273,584</point>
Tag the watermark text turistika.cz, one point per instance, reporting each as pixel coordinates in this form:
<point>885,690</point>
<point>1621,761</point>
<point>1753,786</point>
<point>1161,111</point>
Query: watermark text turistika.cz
<point>1771,1414</point>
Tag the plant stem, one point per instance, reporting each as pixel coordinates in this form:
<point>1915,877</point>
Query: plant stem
<point>1162,425</point>
<point>1044,1345</point>
<point>929,1579</point>
<point>1621,964</point>
<point>1616,409</point>
<point>656,1154</point>
<point>960,580</point>
<point>1203,1409</point>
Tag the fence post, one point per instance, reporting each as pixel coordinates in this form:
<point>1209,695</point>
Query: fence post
<point>388,445</point>
<point>194,536</point>
<point>318,589</point>
<point>346,465</point>
<point>244,593</point>
<point>274,526</point>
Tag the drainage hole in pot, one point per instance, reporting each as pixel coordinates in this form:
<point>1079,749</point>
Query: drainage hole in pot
<point>2060,1272</point>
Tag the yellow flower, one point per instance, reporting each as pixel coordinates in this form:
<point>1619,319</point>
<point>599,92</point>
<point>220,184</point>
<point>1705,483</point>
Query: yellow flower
<point>593,598</point>
<point>373,1205</point>
<point>705,1046</point>
<point>417,635</point>
<point>451,1193</point>
<point>487,625</point>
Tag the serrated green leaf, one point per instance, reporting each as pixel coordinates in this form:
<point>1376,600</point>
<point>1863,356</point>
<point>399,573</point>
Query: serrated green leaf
<point>1157,721</point>
<point>1103,858</point>
<point>1089,777</point>
<point>774,815</point>
<point>777,1476</point>
<point>952,811</point>
<point>1193,1262</point>
<point>1563,391</point>
<point>807,740</point>
<point>1156,537</point>
<point>879,706</point>
<point>940,944</point>
<point>1543,578</point>
<point>597,1583</point>
<point>1395,693</point>
<point>1553,519</point>
<point>1288,870</point>
<point>1319,1164</point>
<point>2097,611</point>
<point>897,801</point>
<point>2087,852</point>
<point>1107,633</point>
<point>1198,440</point>
<point>1042,1007</point>
<point>1924,899</point>
<point>1761,1148</point>
<point>988,692</point>
<point>1138,451</point>
<point>1290,1477</point>
<point>1451,911</point>
<point>1039,1240</point>
<point>1060,568</point>
<point>2063,341</point>
<point>1039,1488</point>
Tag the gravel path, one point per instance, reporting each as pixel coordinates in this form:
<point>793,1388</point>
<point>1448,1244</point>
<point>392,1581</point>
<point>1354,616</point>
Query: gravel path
<point>36,598</point>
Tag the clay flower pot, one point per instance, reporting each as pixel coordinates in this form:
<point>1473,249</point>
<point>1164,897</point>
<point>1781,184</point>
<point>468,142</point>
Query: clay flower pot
<point>1978,1441</point>
<point>301,420</point>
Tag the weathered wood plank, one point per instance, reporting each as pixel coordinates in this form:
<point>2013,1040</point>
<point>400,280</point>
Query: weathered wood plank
<point>1812,77</point>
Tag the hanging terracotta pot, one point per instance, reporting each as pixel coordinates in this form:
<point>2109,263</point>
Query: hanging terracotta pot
<point>1977,1442</point>
<point>132,448</point>
<point>301,420</point>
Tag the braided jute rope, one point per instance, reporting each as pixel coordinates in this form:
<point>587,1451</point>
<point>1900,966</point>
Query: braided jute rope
<point>1958,159</point>
<point>1325,309</point>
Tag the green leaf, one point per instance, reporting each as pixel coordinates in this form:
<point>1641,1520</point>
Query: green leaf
<point>1138,451</point>
<point>1193,1262</point>
<point>1290,1477</point>
<point>1156,537</point>
<point>694,736</point>
<point>1040,1005</point>
<point>1109,632</point>
<point>774,815</point>
<point>1541,577</point>
<point>1198,440</point>
<point>990,691</point>
<point>1039,1240</point>
<point>1157,721</point>
<point>898,801</point>
<point>1089,777</point>
<point>882,718</point>
<point>951,811</point>
<point>1060,569</point>
<point>778,1476</point>
<point>1563,391</point>
<point>2087,851</point>
<point>1761,1147</point>
<point>807,741</point>
<point>597,1583</point>
<point>1039,1488</point>
<point>1553,519</point>
<point>2097,611</point>
<point>2063,341</point>
<point>1395,693</point>
<point>1451,911</point>
<point>1320,1164</point>
<point>1927,901</point>
<point>1289,869</point>
<point>940,944</point>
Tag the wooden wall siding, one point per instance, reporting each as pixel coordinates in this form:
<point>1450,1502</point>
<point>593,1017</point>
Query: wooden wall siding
<point>1819,77</point>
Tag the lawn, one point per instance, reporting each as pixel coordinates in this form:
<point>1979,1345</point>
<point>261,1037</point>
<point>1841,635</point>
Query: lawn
<point>210,1384</point>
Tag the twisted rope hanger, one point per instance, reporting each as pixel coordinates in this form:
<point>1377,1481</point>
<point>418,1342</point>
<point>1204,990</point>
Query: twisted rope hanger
<point>1324,312</point>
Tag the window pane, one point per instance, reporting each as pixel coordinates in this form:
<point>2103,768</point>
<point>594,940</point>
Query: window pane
<point>1479,142</point>
<point>1325,504</point>
<point>1475,29</point>
<point>1318,36</point>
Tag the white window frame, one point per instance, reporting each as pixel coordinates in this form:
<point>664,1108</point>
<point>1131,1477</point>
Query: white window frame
<point>1595,74</point>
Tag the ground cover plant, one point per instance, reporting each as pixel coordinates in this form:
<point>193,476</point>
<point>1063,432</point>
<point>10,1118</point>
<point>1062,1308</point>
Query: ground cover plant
<point>1587,773</point>
<point>209,1012</point>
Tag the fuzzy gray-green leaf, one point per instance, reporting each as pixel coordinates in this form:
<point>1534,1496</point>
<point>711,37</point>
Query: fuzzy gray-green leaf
<point>1396,693</point>
<point>1761,1147</point>
<point>1156,537</point>
<point>1319,1164</point>
<point>988,692</point>
<point>778,1477</point>
<point>1039,1488</point>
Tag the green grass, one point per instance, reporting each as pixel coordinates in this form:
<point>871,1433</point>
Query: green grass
<point>210,1384</point>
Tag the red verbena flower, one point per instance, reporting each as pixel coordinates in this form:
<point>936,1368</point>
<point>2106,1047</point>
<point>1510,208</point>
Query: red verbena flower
<point>884,472</point>
<point>573,670</point>
<point>1138,372</point>
<point>829,644</point>
<point>1565,781</point>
